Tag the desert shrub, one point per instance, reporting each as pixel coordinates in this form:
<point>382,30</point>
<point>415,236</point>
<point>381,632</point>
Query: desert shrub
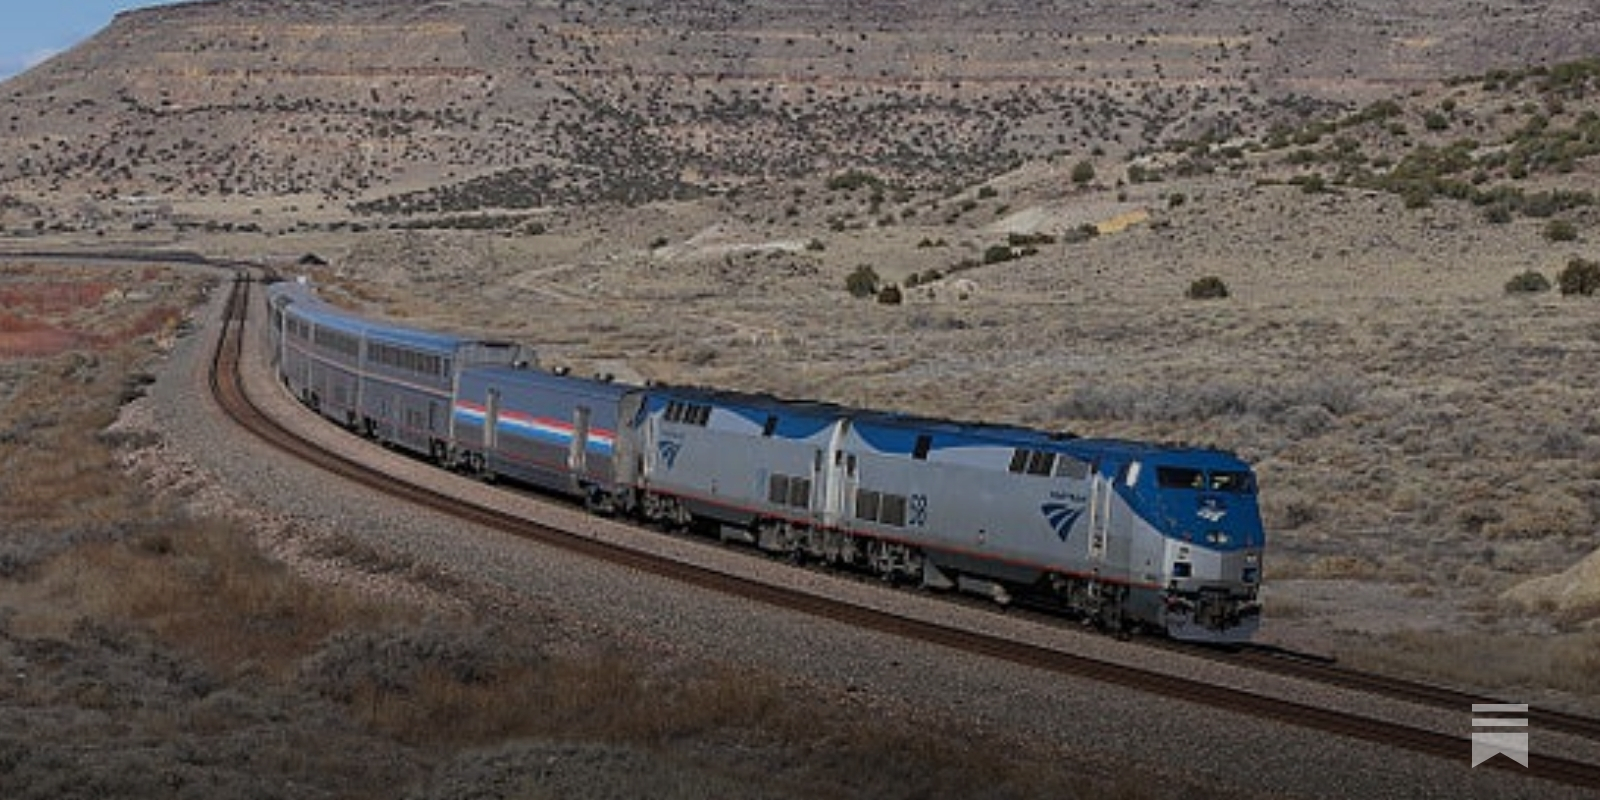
<point>1530,282</point>
<point>1313,405</point>
<point>1417,196</point>
<point>1026,240</point>
<point>400,660</point>
<point>852,180</point>
<point>1082,172</point>
<point>997,253</point>
<point>1560,230</point>
<point>1497,213</point>
<point>1080,234</point>
<point>890,295</point>
<point>1209,287</point>
<point>1581,276</point>
<point>1313,183</point>
<point>863,282</point>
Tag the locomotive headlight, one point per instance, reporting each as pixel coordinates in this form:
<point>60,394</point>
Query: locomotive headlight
<point>1216,538</point>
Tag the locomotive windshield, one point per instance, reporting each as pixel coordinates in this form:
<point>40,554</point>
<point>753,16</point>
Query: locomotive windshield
<point>1232,481</point>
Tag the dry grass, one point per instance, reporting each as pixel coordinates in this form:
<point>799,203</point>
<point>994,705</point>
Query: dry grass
<point>1513,665</point>
<point>226,673</point>
<point>202,586</point>
<point>1412,424</point>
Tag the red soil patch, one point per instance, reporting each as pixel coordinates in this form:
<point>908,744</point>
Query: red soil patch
<point>21,337</point>
<point>41,318</point>
<point>53,297</point>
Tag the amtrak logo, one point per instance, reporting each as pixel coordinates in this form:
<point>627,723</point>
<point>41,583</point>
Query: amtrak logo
<point>1212,510</point>
<point>668,451</point>
<point>1061,517</point>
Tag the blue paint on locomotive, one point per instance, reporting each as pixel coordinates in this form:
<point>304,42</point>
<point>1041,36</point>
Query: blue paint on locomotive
<point>1062,516</point>
<point>1206,498</point>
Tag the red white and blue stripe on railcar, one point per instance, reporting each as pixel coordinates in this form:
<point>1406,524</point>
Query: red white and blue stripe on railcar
<point>537,428</point>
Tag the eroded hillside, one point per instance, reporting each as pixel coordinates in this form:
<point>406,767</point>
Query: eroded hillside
<point>229,111</point>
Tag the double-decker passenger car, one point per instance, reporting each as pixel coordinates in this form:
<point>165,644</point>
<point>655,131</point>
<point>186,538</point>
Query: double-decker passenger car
<point>394,383</point>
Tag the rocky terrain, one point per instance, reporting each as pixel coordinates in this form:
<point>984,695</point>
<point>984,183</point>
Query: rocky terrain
<point>261,114</point>
<point>1030,199</point>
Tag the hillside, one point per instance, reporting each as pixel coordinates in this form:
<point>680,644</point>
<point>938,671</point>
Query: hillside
<point>255,113</point>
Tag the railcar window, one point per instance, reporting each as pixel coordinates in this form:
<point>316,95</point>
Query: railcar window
<point>338,342</point>
<point>785,490</point>
<point>770,426</point>
<point>800,492</point>
<point>893,511</point>
<point>1236,482</point>
<point>867,502</point>
<point>924,444</point>
<point>687,413</point>
<point>1180,478</point>
<point>882,507</point>
<point>1032,462</point>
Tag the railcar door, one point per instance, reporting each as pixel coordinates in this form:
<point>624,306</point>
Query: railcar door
<point>1100,493</point>
<point>491,422</point>
<point>816,505</point>
<point>578,454</point>
<point>628,460</point>
<point>838,485</point>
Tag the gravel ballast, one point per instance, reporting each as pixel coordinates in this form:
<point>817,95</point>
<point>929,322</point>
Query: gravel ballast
<point>1085,720</point>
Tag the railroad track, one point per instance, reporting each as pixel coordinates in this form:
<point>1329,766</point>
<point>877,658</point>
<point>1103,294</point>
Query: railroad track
<point>227,388</point>
<point>1322,671</point>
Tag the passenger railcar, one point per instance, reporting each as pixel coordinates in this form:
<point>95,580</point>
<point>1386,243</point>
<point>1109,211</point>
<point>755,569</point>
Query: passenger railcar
<point>555,432</point>
<point>389,382</point>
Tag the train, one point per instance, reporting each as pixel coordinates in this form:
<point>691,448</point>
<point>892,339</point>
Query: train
<point>1126,535</point>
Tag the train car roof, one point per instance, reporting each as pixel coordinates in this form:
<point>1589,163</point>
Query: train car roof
<point>899,431</point>
<point>749,401</point>
<point>306,304</point>
<point>413,339</point>
<point>516,377</point>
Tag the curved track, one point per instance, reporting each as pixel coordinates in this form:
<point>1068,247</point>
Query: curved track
<point>227,388</point>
